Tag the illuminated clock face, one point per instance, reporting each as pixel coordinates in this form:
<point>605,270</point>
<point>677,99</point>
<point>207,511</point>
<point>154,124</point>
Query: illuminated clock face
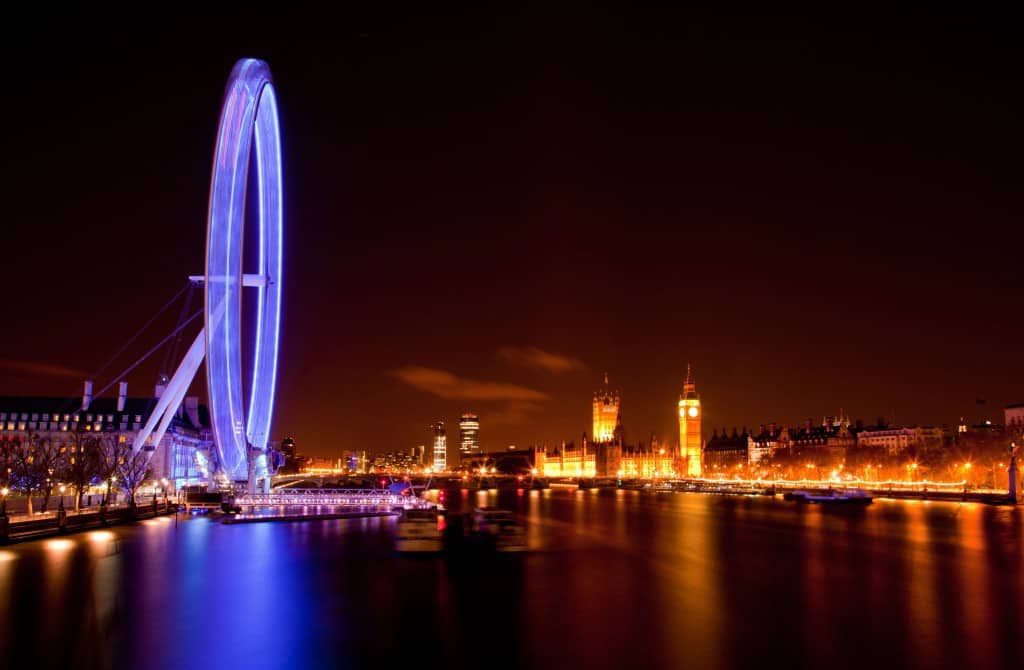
<point>693,411</point>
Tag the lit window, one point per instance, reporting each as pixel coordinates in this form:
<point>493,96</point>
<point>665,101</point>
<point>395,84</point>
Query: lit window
<point>88,417</point>
<point>110,418</point>
<point>35,417</point>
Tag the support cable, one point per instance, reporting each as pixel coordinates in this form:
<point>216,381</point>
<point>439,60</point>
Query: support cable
<point>134,337</point>
<point>150,352</point>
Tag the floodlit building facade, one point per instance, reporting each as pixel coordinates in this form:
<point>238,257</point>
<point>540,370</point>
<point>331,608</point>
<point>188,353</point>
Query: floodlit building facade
<point>689,427</point>
<point>606,413</point>
<point>185,454</point>
<point>469,434</point>
<point>440,447</point>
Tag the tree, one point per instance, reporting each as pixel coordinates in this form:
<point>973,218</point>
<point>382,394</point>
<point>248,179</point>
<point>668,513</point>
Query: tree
<point>46,461</point>
<point>111,453</point>
<point>7,446</point>
<point>24,471</point>
<point>79,462</point>
<point>133,469</point>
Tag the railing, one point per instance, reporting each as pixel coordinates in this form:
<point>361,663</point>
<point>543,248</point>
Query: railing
<point>67,521</point>
<point>84,511</point>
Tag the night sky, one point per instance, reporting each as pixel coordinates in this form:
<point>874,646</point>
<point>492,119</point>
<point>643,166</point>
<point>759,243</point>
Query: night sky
<point>486,213</point>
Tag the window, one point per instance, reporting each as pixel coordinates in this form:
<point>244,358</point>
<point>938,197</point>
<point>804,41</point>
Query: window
<point>88,417</point>
<point>46,417</point>
<point>35,417</point>
<point>110,418</point>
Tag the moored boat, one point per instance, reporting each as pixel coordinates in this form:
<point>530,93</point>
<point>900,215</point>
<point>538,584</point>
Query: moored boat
<point>832,496</point>
<point>499,528</point>
<point>417,531</point>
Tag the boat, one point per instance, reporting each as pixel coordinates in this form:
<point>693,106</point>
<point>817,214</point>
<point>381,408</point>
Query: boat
<point>417,531</point>
<point>595,483</point>
<point>499,529</point>
<point>838,497</point>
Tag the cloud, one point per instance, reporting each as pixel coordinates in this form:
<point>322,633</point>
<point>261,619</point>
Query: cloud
<point>513,413</point>
<point>532,357</point>
<point>42,369</point>
<point>446,385</point>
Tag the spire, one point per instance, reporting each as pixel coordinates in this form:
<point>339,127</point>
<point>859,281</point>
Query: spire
<point>606,379</point>
<point>689,389</point>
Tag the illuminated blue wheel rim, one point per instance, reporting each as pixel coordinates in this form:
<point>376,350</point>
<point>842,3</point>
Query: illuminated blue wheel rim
<point>248,117</point>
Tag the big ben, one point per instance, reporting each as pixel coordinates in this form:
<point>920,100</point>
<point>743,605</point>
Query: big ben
<point>689,427</point>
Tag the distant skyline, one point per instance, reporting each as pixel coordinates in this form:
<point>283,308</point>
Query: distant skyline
<point>485,213</point>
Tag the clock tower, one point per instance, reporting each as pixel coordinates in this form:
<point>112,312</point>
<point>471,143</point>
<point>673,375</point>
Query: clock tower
<point>689,427</point>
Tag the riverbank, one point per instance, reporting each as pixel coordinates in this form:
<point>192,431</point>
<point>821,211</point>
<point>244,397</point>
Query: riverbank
<point>63,522</point>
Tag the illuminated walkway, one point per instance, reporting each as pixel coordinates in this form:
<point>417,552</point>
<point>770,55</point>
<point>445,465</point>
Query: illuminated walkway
<point>364,498</point>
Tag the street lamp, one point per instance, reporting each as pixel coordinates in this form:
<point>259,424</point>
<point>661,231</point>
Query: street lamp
<point>3,501</point>
<point>60,505</point>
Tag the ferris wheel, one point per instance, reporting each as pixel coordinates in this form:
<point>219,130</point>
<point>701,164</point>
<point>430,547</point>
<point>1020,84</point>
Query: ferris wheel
<point>248,120</point>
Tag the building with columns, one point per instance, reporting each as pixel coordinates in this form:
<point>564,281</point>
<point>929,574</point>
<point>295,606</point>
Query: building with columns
<point>184,456</point>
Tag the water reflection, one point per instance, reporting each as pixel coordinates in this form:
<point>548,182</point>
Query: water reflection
<point>614,579</point>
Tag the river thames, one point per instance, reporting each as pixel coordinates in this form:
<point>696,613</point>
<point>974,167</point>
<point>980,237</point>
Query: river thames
<point>612,579</point>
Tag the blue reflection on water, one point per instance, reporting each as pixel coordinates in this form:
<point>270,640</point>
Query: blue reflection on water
<point>615,579</point>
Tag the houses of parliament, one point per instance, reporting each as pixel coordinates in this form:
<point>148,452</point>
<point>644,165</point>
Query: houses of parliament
<point>607,455</point>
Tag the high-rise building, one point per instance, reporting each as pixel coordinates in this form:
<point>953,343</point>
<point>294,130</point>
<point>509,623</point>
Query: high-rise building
<point>606,413</point>
<point>440,448</point>
<point>689,427</point>
<point>417,454</point>
<point>469,434</point>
